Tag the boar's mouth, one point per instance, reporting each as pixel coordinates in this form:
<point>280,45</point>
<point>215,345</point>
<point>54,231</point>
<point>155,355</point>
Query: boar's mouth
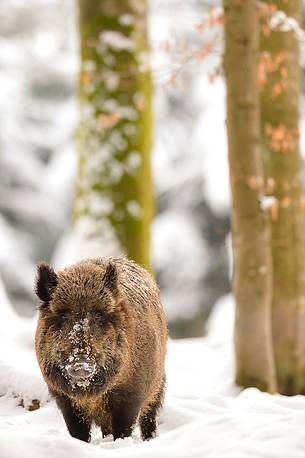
<point>60,380</point>
<point>94,383</point>
<point>80,373</point>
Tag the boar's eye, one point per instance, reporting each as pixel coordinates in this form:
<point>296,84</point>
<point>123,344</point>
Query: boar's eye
<point>99,315</point>
<point>60,315</point>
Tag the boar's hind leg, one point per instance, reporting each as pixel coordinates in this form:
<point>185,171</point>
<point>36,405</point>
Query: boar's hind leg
<point>76,424</point>
<point>147,421</point>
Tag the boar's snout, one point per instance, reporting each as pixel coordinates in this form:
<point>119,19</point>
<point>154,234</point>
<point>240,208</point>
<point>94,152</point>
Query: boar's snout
<point>81,370</point>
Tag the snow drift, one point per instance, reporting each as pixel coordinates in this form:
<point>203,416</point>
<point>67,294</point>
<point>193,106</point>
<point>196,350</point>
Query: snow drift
<point>204,414</point>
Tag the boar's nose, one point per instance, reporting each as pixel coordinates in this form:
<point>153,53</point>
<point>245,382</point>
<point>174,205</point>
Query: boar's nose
<point>81,370</point>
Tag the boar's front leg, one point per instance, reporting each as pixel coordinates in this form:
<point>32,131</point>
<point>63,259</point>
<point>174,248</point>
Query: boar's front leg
<point>76,424</point>
<point>124,417</point>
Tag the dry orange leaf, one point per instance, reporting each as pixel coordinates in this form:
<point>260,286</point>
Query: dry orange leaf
<point>286,202</point>
<point>106,121</point>
<point>302,202</point>
<point>254,182</point>
<point>274,211</point>
<point>86,78</point>
<point>279,133</point>
<point>270,185</point>
<point>140,103</point>
<point>277,90</point>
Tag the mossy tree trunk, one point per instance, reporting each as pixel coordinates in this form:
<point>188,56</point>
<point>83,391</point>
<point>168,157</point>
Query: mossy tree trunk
<point>114,197</point>
<point>251,232</point>
<point>282,165</point>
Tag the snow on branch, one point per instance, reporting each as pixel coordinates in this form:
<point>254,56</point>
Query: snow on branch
<point>279,21</point>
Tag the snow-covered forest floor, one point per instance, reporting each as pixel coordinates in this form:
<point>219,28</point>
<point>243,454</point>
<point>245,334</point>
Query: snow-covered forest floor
<point>204,414</point>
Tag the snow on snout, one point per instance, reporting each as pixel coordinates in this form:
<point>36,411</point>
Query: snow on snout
<point>80,366</point>
<point>79,337</point>
<point>81,370</point>
<point>81,374</point>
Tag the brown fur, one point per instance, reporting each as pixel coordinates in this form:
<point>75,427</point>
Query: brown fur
<point>106,312</point>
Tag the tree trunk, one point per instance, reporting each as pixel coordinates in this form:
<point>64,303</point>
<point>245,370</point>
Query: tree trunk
<point>114,197</point>
<point>252,283</point>
<point>282,165</point>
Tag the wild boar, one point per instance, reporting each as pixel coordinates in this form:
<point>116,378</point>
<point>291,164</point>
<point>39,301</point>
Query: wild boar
<point>101,344</point>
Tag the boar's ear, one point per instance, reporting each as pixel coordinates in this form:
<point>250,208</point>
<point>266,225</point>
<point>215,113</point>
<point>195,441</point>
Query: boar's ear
<point>111,276</point>
<point>46,281</point>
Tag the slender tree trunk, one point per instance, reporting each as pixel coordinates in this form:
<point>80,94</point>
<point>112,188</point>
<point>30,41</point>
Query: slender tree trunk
<point>251,233</point>
<point>114,198</point>
<point>282,165</point>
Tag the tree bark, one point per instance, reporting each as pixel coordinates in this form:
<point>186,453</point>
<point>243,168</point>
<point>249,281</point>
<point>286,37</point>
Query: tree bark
<point>114,196</point>
<point>282,165</point>
<point>252,283</point>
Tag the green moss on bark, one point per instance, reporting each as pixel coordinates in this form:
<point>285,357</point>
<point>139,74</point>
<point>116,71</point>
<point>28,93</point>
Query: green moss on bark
<point>115,132</point>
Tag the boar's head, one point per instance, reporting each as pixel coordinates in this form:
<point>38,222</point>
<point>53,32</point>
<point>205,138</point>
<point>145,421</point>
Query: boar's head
<point>81,339</point>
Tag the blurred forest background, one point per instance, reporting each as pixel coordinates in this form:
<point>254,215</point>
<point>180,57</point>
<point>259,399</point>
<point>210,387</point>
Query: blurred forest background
<point>58,199</point>
<point>39,71</point>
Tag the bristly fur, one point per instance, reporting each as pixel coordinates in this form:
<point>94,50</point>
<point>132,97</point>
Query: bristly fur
<point>106,312</point>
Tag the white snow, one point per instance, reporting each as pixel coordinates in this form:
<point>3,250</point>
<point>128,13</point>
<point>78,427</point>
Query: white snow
<point>204,415</point>
<point>81,242</point>
<point>20,376</point>
<point>210,135</point>
<point>116,40</point>
<point>191,262</point>
<point>134,209</point>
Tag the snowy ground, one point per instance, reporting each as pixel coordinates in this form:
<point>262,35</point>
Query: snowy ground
<point>204,414</point>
